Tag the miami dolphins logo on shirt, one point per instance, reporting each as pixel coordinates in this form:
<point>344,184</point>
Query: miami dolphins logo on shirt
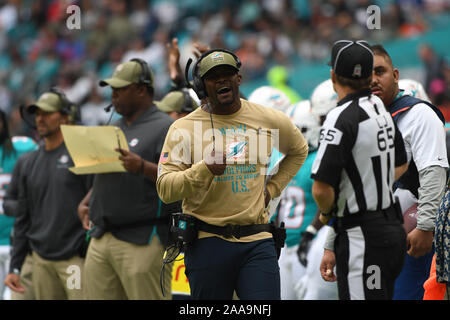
<point>63,161</point>
<point>236,150</point>
<point>134,142</point>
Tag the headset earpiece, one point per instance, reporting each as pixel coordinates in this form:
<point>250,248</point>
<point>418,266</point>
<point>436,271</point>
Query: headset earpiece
<point>198,85</point>
<point>188,106</point>
<point>67,107</point>
<point>75,114</point>
<point>146,76</point>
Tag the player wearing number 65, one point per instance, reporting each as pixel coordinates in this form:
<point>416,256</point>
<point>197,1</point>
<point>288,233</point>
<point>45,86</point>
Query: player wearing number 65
<point>361,154</point>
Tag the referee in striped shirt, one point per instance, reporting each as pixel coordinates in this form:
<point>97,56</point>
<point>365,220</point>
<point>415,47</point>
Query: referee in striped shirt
<point>361,154</point>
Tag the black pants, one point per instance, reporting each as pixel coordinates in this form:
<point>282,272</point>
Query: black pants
<point>369,257</point>
<point>216,268</point>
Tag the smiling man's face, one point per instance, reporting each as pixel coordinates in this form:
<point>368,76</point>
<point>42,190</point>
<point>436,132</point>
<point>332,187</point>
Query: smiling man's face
<point>222,85</point>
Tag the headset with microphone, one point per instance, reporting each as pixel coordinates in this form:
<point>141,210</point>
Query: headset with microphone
<point>68,108</point>
<point>108,107</point>
<point>145,78</point>
<point>198,84</point>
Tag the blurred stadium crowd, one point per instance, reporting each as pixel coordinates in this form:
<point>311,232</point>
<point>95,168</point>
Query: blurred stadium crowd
<point>37,50</point>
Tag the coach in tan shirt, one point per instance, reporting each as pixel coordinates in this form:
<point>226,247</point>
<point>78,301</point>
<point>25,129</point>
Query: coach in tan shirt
<point>215,160</point>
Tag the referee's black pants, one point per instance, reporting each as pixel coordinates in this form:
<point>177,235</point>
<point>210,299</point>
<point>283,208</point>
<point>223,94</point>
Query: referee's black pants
<point>370,252</point>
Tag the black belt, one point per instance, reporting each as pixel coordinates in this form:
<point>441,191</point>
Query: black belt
<point>392,213</point>
<point>147,222</point>
<point>236,231</point>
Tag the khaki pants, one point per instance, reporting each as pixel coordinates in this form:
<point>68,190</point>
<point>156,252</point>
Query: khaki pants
<point>26,280</point>
<point>118,270</point>
<point>58,280</point>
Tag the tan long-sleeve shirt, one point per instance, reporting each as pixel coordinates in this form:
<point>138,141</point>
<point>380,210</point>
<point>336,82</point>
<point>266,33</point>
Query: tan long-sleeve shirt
<point>247,137</point>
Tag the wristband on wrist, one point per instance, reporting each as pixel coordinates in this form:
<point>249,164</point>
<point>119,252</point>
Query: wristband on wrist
<point>311,229</point>
<point>16,271</point>
<point>329,213</point>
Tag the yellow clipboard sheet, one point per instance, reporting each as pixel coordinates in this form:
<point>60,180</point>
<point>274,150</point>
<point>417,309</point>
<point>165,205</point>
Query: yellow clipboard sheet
<point>92,148</point>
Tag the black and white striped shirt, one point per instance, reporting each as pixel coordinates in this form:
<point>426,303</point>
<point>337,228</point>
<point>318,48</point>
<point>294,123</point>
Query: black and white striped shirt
<point>360,146</point>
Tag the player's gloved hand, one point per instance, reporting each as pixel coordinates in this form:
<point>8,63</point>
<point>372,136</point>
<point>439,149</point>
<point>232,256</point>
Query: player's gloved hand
<point>304,246</point>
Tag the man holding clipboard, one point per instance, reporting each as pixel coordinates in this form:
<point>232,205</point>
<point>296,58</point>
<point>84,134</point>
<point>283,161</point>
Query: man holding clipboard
<point>128,231</point>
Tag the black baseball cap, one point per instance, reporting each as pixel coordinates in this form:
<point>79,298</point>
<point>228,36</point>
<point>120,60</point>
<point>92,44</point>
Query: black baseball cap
<point>352,59</point>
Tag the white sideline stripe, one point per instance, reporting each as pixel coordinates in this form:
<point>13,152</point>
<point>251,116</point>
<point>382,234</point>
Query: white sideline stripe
<point>356,247</point>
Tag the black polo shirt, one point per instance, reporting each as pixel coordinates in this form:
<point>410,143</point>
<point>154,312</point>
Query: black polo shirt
<point>53,194</point>
<point>124,202</point>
